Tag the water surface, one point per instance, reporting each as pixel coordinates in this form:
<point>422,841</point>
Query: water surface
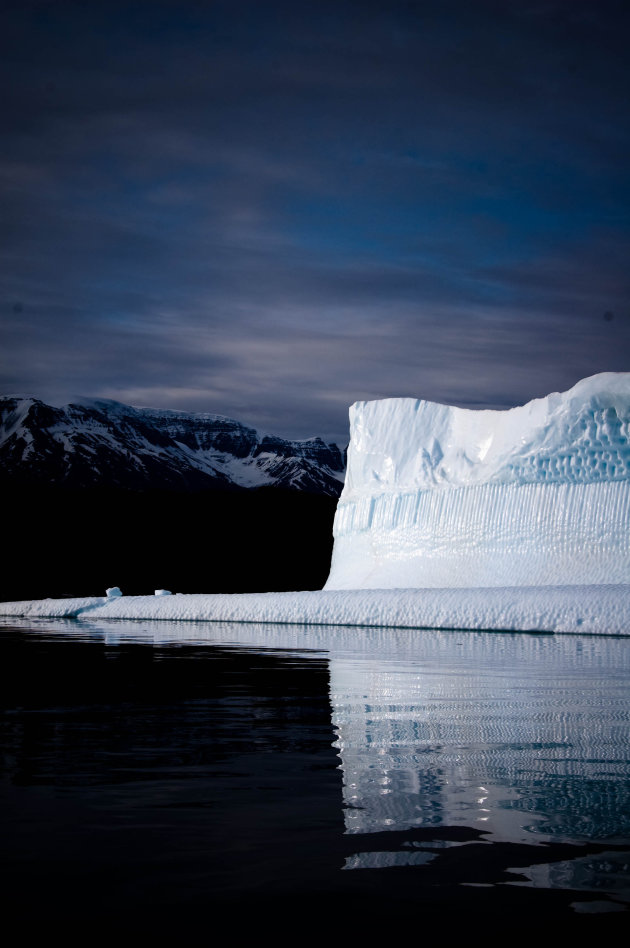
<point>155,773</point>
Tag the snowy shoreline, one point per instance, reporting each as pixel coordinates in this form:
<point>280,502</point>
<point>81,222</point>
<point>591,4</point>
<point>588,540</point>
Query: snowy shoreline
<point>586,610</point>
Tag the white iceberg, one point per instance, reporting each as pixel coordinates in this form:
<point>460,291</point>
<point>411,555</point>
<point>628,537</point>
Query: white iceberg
<point>438,496</point>
<point>512,520</point>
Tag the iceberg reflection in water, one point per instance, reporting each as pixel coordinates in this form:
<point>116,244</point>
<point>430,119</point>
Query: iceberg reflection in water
<point>448,739</point>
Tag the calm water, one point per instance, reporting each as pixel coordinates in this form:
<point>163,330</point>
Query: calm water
<point>346,780</point>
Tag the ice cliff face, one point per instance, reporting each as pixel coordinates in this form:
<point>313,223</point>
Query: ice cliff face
<point>443,496</point>
<point>96,442</point>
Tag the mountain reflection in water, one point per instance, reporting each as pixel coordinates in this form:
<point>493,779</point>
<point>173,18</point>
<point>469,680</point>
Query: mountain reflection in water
<point>458,752</point>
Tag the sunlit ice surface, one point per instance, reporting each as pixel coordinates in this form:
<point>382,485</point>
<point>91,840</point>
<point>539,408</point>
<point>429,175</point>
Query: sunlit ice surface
<point>452,741</point>
<point>596,610</point>
<point>440,496</point>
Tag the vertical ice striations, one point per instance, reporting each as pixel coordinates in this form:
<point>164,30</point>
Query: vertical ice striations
<point>438,496</point>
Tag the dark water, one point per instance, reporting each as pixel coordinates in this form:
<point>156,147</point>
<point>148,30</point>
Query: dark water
<point>312,783</point>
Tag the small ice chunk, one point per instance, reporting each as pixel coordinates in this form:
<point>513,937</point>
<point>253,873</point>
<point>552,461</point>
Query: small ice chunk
<point>113,592</point>
<point>163,592</point>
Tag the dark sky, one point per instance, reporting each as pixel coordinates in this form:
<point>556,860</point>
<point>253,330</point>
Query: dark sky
<point>270,210</point>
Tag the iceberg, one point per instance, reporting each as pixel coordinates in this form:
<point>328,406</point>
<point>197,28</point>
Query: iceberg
<point>439,496</point>
<point>451,518</point>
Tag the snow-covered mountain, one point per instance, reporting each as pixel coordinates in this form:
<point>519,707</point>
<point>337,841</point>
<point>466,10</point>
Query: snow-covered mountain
<point>97,442</point>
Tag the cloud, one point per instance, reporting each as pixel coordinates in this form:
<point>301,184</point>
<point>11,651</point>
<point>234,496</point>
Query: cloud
<point>271,216</point>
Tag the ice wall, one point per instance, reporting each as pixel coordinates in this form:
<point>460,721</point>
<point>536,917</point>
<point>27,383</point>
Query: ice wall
<point>438,496</point>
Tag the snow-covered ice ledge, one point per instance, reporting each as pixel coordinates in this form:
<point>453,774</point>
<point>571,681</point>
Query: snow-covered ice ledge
<point>595,610</point>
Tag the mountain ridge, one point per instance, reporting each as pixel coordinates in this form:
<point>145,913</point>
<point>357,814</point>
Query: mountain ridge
<point>100,442</point>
